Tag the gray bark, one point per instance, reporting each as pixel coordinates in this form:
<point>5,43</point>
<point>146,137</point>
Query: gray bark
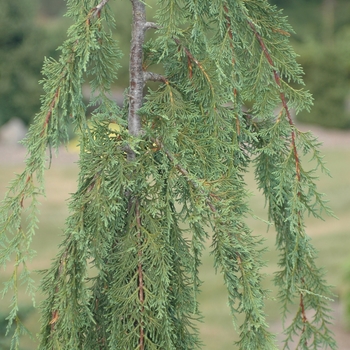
<point>136,72</point>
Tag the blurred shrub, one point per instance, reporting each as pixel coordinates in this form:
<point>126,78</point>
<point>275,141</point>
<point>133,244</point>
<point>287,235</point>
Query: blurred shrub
<point>23,44</point>
<point>322,40</point>
<point>327,76</point>
<point>53,8</point>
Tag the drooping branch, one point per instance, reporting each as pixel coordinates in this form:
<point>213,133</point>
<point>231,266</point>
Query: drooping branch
<point>277,79</point>
<point>282,95</point>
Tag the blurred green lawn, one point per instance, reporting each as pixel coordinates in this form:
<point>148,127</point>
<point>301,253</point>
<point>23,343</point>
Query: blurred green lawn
<point>331,237</point>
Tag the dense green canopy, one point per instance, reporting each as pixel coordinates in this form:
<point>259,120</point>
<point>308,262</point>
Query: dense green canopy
<point>170,176</point>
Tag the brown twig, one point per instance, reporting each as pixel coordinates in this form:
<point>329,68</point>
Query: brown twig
<point>198,64</point>
<point>49,113</point>
<point>150,76</point>
<point>302,306</point>
<point>29,178</point>
<point>303,313</point>
<point>140,275</point>
<point>96,11</point>
<point>55,313</point>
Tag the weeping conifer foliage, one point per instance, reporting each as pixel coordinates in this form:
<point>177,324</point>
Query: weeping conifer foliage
<point>170,176</point>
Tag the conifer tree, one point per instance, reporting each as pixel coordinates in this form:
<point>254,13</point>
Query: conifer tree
<point>149,190</point>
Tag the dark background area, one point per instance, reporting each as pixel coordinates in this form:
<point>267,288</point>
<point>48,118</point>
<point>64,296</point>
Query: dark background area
<point>33,29</point>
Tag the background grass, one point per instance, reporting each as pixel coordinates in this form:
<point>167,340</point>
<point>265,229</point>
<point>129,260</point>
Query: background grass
<point>331,237</point>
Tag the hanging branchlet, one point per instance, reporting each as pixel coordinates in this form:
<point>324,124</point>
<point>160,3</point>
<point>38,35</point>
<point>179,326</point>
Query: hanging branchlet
<point>172,165</point>
<point>295,213</point>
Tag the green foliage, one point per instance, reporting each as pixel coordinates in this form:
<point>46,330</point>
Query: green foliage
<point>126,275</point>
